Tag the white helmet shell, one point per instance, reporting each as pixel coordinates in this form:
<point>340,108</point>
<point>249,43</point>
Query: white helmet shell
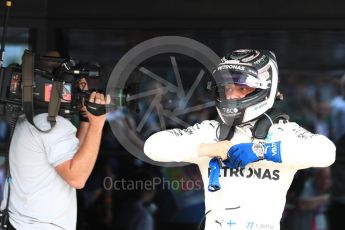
<point>255,68</point>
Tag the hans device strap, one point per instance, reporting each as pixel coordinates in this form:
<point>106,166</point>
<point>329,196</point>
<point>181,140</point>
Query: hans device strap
<point>27,99</point>
<point>261,127</point>
<point>225,132</point>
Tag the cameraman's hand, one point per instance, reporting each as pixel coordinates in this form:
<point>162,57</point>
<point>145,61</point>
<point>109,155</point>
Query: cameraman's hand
<point>83,84</point>
<point>96,108</point>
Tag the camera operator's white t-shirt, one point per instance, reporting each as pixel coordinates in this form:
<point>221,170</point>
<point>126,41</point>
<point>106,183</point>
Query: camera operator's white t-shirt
<point>40,199</point>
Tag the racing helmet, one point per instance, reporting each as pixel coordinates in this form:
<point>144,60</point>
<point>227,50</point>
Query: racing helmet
<point>254,68</point>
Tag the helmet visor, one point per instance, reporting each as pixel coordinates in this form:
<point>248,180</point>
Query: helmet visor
<point>224,77</point>
<point>233,91</point>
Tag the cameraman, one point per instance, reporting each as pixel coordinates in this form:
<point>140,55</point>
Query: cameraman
<point>47,168</point>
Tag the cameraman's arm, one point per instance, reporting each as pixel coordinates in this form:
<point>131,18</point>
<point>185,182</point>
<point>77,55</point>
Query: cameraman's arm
<point>82,131</point>
<point>77,170</point>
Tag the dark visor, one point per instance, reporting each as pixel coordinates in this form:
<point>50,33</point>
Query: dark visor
<point>224,77</point>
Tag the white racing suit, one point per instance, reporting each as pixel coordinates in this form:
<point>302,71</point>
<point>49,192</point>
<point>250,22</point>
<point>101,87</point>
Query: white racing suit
<point>254,197</point>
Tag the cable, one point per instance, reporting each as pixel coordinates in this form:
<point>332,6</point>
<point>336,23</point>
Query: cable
<point>204,217</point>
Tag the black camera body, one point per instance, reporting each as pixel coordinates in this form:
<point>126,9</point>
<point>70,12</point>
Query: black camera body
<point>11,90</point>
<point>66,71</point>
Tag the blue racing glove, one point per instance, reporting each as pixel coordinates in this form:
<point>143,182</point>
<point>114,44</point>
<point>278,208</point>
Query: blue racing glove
<point>215,165</point>
<point>242,154</point>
